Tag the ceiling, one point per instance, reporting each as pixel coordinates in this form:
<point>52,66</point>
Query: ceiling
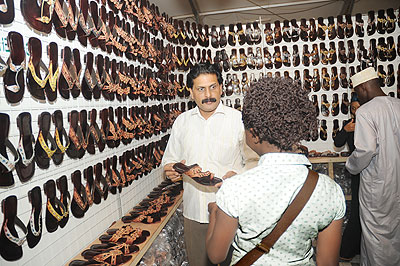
<point>217,12</point>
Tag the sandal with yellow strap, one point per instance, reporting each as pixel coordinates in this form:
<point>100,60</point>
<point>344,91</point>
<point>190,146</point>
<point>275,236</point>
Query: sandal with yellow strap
<point>44,152</point>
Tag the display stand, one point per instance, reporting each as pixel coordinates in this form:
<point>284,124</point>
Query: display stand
<point>154,230</point>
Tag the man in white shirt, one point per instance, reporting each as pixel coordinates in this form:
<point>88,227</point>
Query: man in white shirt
<point>210,135</point>
<point>377,157</point>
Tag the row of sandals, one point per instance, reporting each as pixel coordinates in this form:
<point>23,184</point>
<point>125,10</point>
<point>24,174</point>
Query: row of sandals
<point>240,60</point>
<point>83,136</point>
<point>58,209</point>
<point>101,76</point>
<point>118,245</point>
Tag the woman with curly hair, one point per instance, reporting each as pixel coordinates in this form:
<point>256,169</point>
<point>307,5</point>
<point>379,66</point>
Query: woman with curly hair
<point>277,115</point>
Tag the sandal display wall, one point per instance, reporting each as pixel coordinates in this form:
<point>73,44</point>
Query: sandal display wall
<point>318,63</point>
<point>152,105</point>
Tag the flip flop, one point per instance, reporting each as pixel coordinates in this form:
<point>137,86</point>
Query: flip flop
<point>60,137</point>
<point>75,149</point>
<point>89,188</point>
<point>65,198</point>
<point>39,17</point>
<point>66,80</point>
<point>79,204</point>
<point>51,86</point>
<point>25,166</point>
<point>6,164</point>
<point>117,174</point>
<point>55,209</point>
<point>99,191</point>
<point>100,75</point>
<point>72,20</point>
<point>194,172</point>
<point>60,19</point>
<point>95,132</point>
<point>76,71</point>
<point>87,141</point>
<point>34,81</point>
<point>43,152</point>
<point>111,177</point>
<point>7,12</point>
<point>85,24</point>
<point>13,78</point>
<point>113,141</point>
<point>88,80</point>
<point>11,243</point>
<point>34,225</point>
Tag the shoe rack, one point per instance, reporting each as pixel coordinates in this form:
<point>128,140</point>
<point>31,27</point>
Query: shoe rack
<point>152,100</point>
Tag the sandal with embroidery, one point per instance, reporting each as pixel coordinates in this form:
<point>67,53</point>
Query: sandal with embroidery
<point>60,136</point>
<point>34,225</point>
<point>72,19</point>
<point>51,85</point>
<point>111,177</point>
<point>25,167</point>
<point>7,12</point>
<point>114,130</point>
<point>88,80</point>
<point>125,248</point>
<point>89,188</point>
<point>137,236</point>
<point>60,19</point>
<point>13,78</point>
<point>11,243</point>
<point>43,152</point>
<point>66,80</point>
<point>75,149</point>
<point>195,172</point>
<point>79,204</point>
<point>105,127</point>
<point>117,174</point>
<point>6,164</point>
<point>55,209</point>
<point>95,132</point>
<point>65,198</point>
<point>87,140</point>
<point>99,181</point>
<point>76,71</point>
<point>34,81</point>
<point>38,14</point>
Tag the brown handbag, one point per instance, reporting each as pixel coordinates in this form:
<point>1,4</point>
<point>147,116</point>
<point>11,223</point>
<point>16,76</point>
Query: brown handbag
<point>284,222</point>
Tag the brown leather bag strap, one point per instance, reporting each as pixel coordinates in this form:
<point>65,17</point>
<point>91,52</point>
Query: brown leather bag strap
<point>284,222</point>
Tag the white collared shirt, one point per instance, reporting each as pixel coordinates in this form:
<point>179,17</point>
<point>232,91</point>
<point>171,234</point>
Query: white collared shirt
<point>215,144</point>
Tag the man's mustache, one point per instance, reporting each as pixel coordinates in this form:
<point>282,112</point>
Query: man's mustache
<point>209,100</point>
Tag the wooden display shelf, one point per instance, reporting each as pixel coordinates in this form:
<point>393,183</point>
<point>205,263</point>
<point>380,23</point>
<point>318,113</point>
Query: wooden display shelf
<point>329,161</point>
<point>154,230</point>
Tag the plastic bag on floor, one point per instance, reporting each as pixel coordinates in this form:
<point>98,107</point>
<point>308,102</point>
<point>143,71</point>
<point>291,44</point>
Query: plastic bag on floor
<point>169,246</point>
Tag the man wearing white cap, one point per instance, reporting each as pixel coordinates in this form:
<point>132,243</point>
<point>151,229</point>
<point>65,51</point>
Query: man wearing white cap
<point>377,158</point>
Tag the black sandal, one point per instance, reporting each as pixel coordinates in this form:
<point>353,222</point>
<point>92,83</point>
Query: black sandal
<point>65,198</point>
<point>11,243</point>
<point>13,78</point>
<point>35,221</point>
<point>60,137</point>
<point>6,164</point>
<point>25,166</point>
<point>55,209</point>
<point>43,152</point>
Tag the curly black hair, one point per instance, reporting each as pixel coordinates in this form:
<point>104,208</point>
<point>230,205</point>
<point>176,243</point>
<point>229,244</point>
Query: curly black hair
<point>203,68</point>
<point>279,111</point>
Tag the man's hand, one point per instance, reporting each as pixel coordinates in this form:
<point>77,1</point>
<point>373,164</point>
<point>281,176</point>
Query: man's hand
<point>349,127</point>
<point>227,175</point>
<point>170,172</point>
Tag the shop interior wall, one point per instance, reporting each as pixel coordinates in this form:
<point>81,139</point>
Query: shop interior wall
<point>65,243</point>
<point>58,247</point>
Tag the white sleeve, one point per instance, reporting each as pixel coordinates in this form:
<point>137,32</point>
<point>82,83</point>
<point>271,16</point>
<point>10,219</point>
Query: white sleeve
<point>365,140</point>
<point>173,151</point>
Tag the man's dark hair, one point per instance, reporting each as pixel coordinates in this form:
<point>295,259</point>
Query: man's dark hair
<point>279,111</point>
<point>203,68</point>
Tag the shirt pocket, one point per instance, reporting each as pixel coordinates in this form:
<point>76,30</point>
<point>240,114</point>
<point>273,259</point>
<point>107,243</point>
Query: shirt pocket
<point>225,150</point>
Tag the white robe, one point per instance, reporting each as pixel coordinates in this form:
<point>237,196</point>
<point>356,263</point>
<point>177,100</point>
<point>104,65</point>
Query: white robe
<point>377,158</point>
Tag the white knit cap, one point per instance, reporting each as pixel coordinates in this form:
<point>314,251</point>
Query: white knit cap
<point>363,76</point>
